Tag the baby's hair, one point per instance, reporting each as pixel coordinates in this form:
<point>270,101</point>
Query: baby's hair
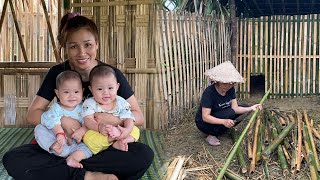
<point>101,70</point>
<point>67,75</point>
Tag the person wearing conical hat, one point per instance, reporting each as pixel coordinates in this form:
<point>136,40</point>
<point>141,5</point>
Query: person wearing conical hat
<point>218,106</point>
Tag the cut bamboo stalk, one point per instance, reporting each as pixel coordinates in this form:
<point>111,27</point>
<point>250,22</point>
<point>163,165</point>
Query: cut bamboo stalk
<point>240,156</point>
<point>313,146</point>
<point>277,141</point>
<point>316,133</point>
<point>233,176</point>
<point>266,135</point>
<point>299,143</point>
<point>237,144</point>
<point>249,148</point>
<point>286,154</point>
<point>254,149</point>
<point>310,156</point>
<point>266,170</point>
<point>279,129</point>
<point>281,156</point>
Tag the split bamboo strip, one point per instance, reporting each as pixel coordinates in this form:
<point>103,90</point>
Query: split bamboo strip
<point>294,144</point>
<point>313,146</point>
<point>232,153</point>
<point>255,143</point>
<point>260,141</point>
<point>311,159</point>
<point>299,145</point>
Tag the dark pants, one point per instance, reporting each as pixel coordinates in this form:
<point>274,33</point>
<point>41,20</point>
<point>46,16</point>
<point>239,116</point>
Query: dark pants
<point>30,162</point>
<point>211,129</point>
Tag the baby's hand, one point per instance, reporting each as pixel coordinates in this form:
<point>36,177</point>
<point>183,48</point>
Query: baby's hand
<point>61,139</point>
<point>77,135</point>
<point>228,123</point>
<point>125,132</point>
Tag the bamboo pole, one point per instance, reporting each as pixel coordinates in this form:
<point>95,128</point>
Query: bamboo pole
<point>232,153</point>
<point>311,159</point>
<point>313,146</point>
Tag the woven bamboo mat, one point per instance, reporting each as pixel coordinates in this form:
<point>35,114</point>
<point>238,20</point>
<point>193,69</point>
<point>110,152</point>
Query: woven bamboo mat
<point>13,137</point>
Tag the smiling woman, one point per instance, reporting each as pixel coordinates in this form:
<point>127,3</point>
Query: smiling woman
<point>219,106</point>
<point>78,36</point>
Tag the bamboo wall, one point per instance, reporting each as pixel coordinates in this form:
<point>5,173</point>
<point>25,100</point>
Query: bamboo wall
<point>188,45</point>
<point>24,37</point>
<point>285,49</point>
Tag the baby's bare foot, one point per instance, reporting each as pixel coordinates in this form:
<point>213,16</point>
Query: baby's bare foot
<point>120,145</point>
<point>73,163</point>
<point>113,131</point>
<point>56,147</point>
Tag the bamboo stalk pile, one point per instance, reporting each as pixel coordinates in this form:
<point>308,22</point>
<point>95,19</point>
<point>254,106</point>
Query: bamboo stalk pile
<point>286,138</point>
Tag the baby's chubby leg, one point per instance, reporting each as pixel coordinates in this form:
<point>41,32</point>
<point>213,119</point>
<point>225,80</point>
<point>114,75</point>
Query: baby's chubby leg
<point>69,125</point>
<point>74,159</point>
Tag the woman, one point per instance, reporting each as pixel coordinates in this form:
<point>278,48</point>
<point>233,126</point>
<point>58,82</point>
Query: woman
<point>219,106</point>
<point>79,37</point>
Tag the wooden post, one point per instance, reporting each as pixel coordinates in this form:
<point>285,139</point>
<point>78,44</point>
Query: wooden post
<point>233,39</point>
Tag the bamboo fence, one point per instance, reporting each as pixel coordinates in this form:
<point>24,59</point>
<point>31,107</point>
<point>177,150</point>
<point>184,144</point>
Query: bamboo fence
<point>285,49</point>
<point>187,45</point>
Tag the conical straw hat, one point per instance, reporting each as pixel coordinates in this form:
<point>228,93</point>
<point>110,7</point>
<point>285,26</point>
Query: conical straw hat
<point>224,73</point>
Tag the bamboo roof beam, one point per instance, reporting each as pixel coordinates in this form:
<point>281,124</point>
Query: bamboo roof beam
<point>3,13</point>
<point>113,3</point>
<point>58,59</point>
<point>18,32</point>
<point>270,6</point>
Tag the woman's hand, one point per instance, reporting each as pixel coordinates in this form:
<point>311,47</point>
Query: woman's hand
<point>255,107</point>
<point>107,118</point>
<point>228,123</point>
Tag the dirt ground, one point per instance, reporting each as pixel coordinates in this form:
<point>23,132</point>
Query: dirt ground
<point>186,140</point>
